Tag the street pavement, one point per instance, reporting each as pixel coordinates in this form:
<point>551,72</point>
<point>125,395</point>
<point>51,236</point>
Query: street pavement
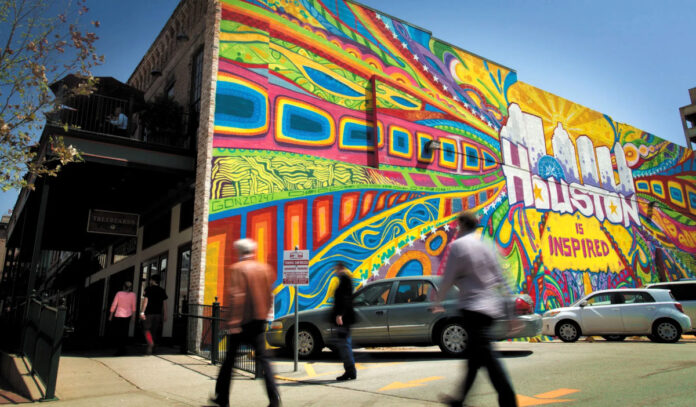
<point>586,373</point>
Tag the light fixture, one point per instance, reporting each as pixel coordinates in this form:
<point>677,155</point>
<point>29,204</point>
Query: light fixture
<point>432,145</point>
<point>182,37</point>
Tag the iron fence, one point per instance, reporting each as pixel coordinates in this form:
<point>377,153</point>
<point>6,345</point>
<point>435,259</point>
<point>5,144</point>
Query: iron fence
<point>211,343</point>
<point>42,341</point>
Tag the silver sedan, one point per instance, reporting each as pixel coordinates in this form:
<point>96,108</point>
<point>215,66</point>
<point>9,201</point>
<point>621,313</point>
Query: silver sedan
<point>397,312</point>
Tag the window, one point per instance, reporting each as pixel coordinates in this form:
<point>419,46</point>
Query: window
<point>600,299</point>
<point>153,266</point>
<point>182,277</point>
<point>186,214</point>
<point>196,86</point>
<point>683,292</point>
<point>414,291</point>
<point>637,298</point>
<point>680,291</point>
<point>157,230</point>
<point>376,294</point>
<point>170,90</point>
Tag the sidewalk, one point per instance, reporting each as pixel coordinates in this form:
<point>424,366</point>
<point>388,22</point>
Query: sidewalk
<point>185,380</point>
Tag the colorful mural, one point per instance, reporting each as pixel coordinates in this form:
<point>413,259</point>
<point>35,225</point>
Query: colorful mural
<point>359,137</point>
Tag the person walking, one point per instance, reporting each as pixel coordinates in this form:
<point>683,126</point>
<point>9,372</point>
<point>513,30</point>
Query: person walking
<point>472,266</point>
<point>153,312</point>
<point>249,299</point>
<point>344,316</point>
<point>122,310</point>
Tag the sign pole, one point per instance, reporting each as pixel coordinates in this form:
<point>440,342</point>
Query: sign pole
<point>297,329</point>
<point>296,274</point>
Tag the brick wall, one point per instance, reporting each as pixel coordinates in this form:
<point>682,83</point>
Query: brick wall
<point>205,143</point>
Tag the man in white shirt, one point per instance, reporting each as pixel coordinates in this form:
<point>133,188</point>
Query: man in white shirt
<point>472,266</point>
<point>119,120</point>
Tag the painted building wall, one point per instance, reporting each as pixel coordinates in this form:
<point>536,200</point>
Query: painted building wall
<point>322,115</point>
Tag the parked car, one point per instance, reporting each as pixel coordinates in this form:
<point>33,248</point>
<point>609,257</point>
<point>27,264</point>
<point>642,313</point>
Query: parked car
<point>614,314</point>
<point>397,312</point>
<point>683,291</point>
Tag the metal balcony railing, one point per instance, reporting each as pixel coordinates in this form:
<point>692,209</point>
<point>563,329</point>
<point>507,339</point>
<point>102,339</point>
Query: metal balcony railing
<point>95,114</point>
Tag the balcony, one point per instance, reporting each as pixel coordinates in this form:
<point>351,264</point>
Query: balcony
<point>148,123</point>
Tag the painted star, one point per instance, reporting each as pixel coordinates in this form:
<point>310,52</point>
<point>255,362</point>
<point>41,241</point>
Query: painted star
<point>376,273</point>
<point>436,79</point>
<point>410,243</point>
<point>425,68</point>
<point>394,35</point>
<point>444,87</point>
<point>422,236</point>
<point>433,229</point>
<point>415,57</point>
<point>537,193</point>
<point>612,207</point>
<point>363,281</point>
<point>386,261</point>
<point>398,251</point>
<point>403,45</point>
<point>447,227</point>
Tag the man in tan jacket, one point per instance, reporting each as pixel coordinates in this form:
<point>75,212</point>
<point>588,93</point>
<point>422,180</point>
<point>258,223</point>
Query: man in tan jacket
<point>249,299</point>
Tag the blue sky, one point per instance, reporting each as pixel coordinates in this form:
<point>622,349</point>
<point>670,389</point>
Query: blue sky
<point>630,59</point>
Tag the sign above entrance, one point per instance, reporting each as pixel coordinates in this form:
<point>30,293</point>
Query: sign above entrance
<point>112,223</point>
<point>296,267</point>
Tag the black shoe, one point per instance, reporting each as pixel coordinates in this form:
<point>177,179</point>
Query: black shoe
<point>346,376</point>
<point>450,401</point>
<point>217,402</point>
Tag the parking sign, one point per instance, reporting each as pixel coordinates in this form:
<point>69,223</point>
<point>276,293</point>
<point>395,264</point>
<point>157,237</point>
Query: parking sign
<point>296,267</point>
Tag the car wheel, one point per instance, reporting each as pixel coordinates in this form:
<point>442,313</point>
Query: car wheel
<point>453,338</point>
<point>309,343</point>
<point>568,331</point>
<point>667,331</point>
<point>614,338</point>
<point>652,338</point>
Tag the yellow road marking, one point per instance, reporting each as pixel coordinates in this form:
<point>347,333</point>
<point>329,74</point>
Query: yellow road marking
<point>545,398</point>
<point>334,372</point>
<point>310,370</point>
<point>411,383</point>
<point>556,393</point>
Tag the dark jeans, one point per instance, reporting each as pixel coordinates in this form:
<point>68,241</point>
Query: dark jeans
<point>344,346</point>
<point>153,323</point>
<point>481,354</point>
<point>253,334</point>
<point>119,328</point>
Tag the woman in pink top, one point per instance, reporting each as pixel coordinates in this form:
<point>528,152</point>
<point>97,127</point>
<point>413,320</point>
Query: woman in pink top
<point>122,310</point>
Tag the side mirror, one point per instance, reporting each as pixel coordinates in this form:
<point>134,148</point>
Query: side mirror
<point>583,304</point>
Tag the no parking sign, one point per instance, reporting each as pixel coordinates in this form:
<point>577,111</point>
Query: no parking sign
<point>296,267</point>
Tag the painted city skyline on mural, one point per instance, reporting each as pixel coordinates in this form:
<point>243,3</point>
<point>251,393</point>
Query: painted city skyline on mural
<point>323,116</point>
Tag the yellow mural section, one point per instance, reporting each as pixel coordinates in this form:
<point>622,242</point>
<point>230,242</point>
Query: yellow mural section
<point>576,242</point>
<point>577,120</point>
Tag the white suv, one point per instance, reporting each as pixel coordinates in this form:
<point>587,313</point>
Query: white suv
<point>615,314</point>
<point>683,291</point>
